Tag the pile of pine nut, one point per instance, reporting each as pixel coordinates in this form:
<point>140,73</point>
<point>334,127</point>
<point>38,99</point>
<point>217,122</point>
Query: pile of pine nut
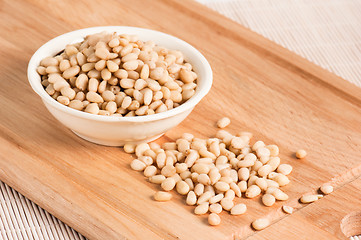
<point>118,75</point>
<point>212,172</point>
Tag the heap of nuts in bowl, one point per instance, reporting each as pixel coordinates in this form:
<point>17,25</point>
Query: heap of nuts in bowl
<point>118,75</point>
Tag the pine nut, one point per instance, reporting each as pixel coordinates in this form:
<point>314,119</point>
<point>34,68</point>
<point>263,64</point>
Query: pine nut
<point>202,208</point>
<point>168,184</point>
<point>63,100</point>
<point>93,84</point>
<point>326,189</point>
<point>76,104</point>
<point>204,197</point>
<point>157,179</point>
<point>282,180</point>
<point>168,171</point>
<point>261,183</point>
<point>308,198</point>
<point>285,169</point>
<point>182,187</point>
<point>260,224</point>
<point>223,122</point>
<point>239,209</point>
<point>301,153</point>
<point>199,189</point>
<point>141,148</point>
<point>137,165</point>
<point>253,191</point>
<point>215,208</point>
<point>150,171</point>
<point>162,196</point>
<point>191,198</point>
<point>214,219</point>
<point>92,108</point>
<point>216,198</point>
<point>287,209</point>
<point>280,195</point>
<point>129,148</point>
<point>268,200</point>
<point>227,204</point>
<point>265,170</point>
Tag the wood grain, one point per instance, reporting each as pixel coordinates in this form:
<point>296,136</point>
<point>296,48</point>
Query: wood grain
<point>262,87</point>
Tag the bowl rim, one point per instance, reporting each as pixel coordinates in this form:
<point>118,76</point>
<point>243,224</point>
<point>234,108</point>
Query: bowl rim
<point>33,77</point>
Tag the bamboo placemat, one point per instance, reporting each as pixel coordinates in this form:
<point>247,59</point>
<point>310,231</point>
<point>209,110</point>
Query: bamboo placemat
<point>324,32</point>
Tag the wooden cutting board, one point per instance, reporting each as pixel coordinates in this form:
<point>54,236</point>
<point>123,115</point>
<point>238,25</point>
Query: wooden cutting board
<point>263,88</point>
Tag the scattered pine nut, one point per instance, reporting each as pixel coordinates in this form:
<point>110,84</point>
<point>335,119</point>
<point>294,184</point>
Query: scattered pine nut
<point>161,196</point>
<point>287,209</point>
<point>239,209</point>
<point>309,198</point>
<point>260,224</point>
<point>223,122</point>
<point>326,189</point>
<point>212,172</point>
<point>268,200</point>
<point>214,219</point>
<point>301,153</point>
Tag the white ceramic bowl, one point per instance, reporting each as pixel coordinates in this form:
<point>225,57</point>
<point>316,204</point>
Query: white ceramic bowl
<point>116,131</point>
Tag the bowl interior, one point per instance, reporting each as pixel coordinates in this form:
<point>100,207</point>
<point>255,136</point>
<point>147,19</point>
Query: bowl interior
<point>192,55</point>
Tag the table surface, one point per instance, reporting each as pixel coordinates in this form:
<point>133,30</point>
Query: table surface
<point>22,218</point>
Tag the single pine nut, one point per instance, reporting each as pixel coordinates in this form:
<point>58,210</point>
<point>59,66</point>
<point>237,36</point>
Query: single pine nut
<point>216,198</point>
<point>287,209</point>
<point>214,219</point>
<point>261,183</point>
<point>92,108</point>
<point>326,189</point>
<point>204,197</point>
<point>280,195</point>
<point>285,169</point>
<point>202,208</point>
<point>204,179</point>
<point>282,180</point>
<point>239,209</point>
<point>191,198</point>
<point>227,204</point>
<point>76,104</point>
<point>253,191</point>
<point>168,184</point>
<point>265,170</point>
<point>243,174</point>
<point>150,171</point>
<point>168,170</point>
<point>268,200</point>
<point>137,165</point>
<point>129,148</point>
<point>182,187</point>
<point>63,100</point>
<point>215,208</point>
<point>162,196</point>
<point>260,224</point>
<point>222,186</point>
<point>223,122</point>
<point>308,198</point>
<point>189,182</point>
<point>242,186</point>
<point>301,153</point>
<point>157,179</point>
<point>94,97</point>
<point>71,72</point>
<point>274,162</point>
<point>199,189</point>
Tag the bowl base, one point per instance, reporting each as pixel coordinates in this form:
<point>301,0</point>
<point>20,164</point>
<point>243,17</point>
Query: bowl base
<point>115,143</point>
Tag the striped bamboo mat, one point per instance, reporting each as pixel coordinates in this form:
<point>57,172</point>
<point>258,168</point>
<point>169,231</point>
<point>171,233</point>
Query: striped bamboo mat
<point>326,33</point>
